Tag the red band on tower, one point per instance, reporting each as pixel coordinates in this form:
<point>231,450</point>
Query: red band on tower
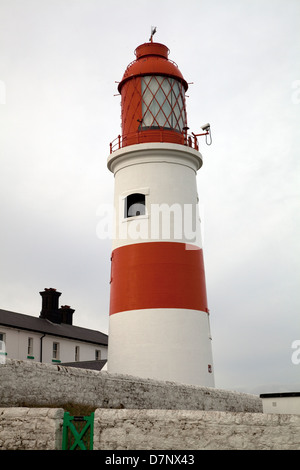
<point>157,275</point>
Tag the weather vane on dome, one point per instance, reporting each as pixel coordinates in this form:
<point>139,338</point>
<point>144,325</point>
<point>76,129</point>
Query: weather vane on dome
<point>153,31</point>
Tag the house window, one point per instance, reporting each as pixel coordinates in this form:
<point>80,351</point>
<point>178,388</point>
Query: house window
<point>98,354</point>
<point>2,343</point>
<point>55,352</point>
<point>134,205</point>
<point>30,348</point>
<point>76,353</point>
<point>3,352</point>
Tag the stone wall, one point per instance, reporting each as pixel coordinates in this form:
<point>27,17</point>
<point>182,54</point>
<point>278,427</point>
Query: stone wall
<point>24,383</point>
<point>133,413</point>
<point>157,430</point>
<point>30,428</point>
<point>196,430</point>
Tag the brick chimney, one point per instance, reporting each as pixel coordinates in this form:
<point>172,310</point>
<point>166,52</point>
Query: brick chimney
<point>50,310</point>
<point>66,314</point>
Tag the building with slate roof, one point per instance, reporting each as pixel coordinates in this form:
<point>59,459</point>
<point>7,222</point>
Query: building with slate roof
<point>51,337</point>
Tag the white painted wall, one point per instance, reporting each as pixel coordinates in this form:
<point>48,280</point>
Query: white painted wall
<point>282,405</point>
<point>166,174</point>
<point>163,344</point>
<point>16,344</point>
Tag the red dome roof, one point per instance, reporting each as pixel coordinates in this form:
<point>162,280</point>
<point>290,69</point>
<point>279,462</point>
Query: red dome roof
<point>152,59</point>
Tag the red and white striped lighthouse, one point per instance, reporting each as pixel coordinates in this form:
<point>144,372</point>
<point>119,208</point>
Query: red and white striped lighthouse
<point>159,318</point>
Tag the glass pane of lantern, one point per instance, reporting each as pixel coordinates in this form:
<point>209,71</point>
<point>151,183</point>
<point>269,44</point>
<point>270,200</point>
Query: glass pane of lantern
<point>162,103</point>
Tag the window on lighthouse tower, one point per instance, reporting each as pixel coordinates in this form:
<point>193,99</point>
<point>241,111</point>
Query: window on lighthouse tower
<point>134,205</point>
<point>163,103</point>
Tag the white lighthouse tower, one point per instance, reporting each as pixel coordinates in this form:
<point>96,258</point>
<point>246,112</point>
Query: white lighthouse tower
<point>159,318</point>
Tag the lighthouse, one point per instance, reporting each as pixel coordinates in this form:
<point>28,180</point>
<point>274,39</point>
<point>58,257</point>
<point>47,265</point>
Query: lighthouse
<point>159,325</point>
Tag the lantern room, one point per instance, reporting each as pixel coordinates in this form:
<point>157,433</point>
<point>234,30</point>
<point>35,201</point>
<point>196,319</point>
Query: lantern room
<point>152,98</point>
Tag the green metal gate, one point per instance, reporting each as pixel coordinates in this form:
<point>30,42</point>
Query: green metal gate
<point>78,432</point>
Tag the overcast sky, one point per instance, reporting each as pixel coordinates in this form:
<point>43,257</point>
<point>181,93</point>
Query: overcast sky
<point>59,61</point>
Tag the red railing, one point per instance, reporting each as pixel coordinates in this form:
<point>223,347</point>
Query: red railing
<point>155,135</point>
